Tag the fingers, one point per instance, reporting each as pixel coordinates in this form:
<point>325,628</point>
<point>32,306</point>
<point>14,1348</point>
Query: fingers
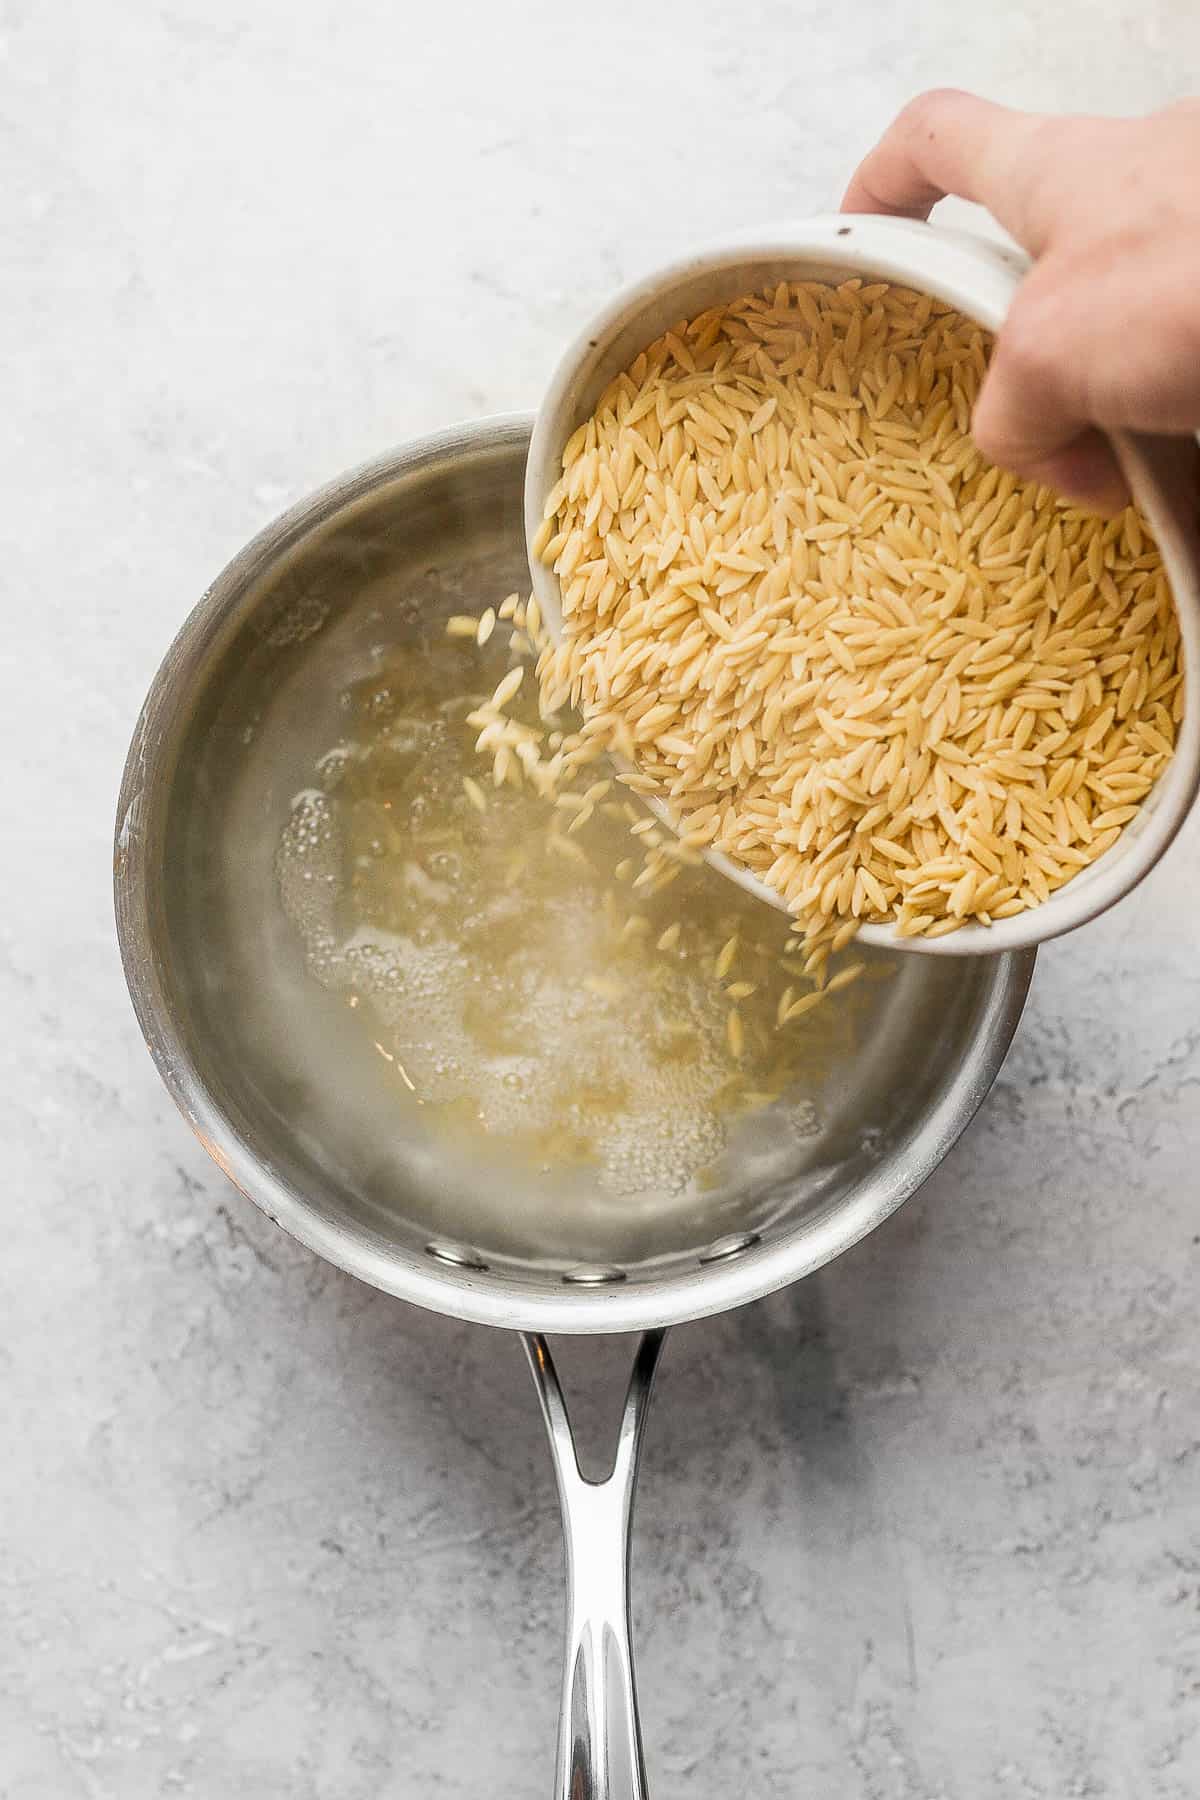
<point>1083,471</point>
<point>947,142</point>
<point>1104,334</point>
<point>1032,415</point>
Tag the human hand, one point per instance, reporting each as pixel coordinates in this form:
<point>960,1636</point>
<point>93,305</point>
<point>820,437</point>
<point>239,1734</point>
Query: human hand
<point>1104,333</point>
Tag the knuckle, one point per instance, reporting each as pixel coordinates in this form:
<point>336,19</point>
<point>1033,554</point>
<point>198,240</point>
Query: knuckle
<point>927,112</point>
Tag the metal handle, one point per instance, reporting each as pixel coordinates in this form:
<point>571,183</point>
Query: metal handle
<point>599,1738</point>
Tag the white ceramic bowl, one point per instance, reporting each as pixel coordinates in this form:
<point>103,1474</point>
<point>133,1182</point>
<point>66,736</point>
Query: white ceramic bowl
<point>980,279</point>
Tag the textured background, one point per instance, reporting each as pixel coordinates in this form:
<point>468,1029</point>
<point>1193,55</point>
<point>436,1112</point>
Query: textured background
<point>925,1528</point>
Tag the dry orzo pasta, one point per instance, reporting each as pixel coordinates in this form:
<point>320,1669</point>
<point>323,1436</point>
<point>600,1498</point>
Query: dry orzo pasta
<point>893,681</point>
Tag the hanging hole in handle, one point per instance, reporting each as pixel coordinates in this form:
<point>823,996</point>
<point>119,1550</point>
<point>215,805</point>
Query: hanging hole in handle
<point>592,1374</point>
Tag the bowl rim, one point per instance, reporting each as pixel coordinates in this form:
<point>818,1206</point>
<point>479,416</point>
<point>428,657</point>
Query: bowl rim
<point>461,1292</point>
<point>978,276</point>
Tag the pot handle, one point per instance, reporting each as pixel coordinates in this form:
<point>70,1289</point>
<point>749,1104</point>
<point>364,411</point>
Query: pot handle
<point>599,1737</point>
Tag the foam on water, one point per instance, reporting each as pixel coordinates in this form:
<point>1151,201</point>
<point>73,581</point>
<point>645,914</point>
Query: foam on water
<point>504,982</point>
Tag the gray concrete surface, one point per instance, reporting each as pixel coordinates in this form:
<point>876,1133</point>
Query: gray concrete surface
<point>923,1529</point>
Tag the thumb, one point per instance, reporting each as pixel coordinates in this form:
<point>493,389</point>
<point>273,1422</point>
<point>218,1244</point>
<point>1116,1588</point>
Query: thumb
<point>1032,414</point>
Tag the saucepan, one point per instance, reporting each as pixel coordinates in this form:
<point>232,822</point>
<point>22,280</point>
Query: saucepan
<point>241,709</point>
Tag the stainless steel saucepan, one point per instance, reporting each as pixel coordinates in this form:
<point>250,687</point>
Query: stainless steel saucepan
<point>242,707</point>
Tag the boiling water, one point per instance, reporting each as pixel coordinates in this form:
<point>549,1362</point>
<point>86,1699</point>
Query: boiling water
<point>513,988</point>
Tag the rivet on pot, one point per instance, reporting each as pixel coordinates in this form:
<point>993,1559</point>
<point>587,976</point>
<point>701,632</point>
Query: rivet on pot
<point>726,1247</point>
<point>457,1255</point>
<point>592,1275</point>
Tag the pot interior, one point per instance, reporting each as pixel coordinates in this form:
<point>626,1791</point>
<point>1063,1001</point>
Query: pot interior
<point>290,1080</point>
